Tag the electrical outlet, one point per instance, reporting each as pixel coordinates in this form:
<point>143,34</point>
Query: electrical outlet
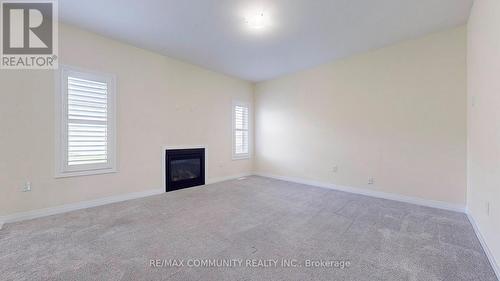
<point>371,181</point>
<point>27,187</point>
<point>335,169</point>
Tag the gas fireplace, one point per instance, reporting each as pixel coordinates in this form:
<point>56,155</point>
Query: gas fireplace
<point>184,168</point>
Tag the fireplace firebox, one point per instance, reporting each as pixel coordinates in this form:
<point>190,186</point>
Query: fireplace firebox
<point>184,168</point>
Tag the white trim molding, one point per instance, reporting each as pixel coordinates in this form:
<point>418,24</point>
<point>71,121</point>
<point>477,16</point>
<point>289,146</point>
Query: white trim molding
<point>101,201</point>
<point>248,155</point>
<point>62,168</point>
<point>371,193</point>
<point>227,178</point>
<point>185,147</point>
<point>489,254</point>
<point>164,156</point>
<point>77,206</point>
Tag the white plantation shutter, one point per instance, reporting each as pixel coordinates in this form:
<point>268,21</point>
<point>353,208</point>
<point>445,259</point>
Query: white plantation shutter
<point>87,137</point>
<point>241,145</point>
<point>87,122</point>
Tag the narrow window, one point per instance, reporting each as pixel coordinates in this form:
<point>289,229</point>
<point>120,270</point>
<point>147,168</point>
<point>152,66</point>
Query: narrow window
<point>241,145</point>
<point>86,138</point>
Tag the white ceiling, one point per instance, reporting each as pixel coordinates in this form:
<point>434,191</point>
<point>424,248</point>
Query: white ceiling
<point>302,33</point>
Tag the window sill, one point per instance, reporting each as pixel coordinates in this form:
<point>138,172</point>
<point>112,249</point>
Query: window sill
<point>242,157</point>
<point>85,173</point>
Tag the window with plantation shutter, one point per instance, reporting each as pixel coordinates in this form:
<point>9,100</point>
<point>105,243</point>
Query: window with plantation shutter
<point>86,142</point>
<point>241,136</point>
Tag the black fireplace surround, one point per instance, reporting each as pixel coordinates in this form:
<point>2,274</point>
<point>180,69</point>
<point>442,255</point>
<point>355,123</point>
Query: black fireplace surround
<point>184,168</point>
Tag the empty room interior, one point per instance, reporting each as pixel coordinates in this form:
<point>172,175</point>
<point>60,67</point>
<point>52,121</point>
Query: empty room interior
<point>250,140</point>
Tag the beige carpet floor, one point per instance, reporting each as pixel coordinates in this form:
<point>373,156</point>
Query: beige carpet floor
<point>276,229</point>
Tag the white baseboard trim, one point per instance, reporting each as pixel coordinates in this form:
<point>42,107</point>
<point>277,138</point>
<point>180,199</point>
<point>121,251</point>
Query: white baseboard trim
<point>97,202</point>
<point>119,198</point>
<point>227,178</point>
<point>489,254</point>
<point>76,206</point>
<point>372,193</point>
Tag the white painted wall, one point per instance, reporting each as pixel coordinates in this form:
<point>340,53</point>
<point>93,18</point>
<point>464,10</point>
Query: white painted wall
<point>161,102</point>
<point>483,60</point>
<point>397,114</point>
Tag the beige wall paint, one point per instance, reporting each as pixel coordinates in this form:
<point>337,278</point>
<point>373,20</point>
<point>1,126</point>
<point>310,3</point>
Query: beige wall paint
<point>161,102</point>
<point>397,114</point>
<point>483,60</point>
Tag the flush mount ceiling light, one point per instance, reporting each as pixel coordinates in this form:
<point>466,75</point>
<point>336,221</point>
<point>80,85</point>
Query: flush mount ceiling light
<point>258,20</point>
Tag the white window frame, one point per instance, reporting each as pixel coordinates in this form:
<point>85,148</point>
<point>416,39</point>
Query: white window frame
<point>241,156</point>
<point>62,168</point>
